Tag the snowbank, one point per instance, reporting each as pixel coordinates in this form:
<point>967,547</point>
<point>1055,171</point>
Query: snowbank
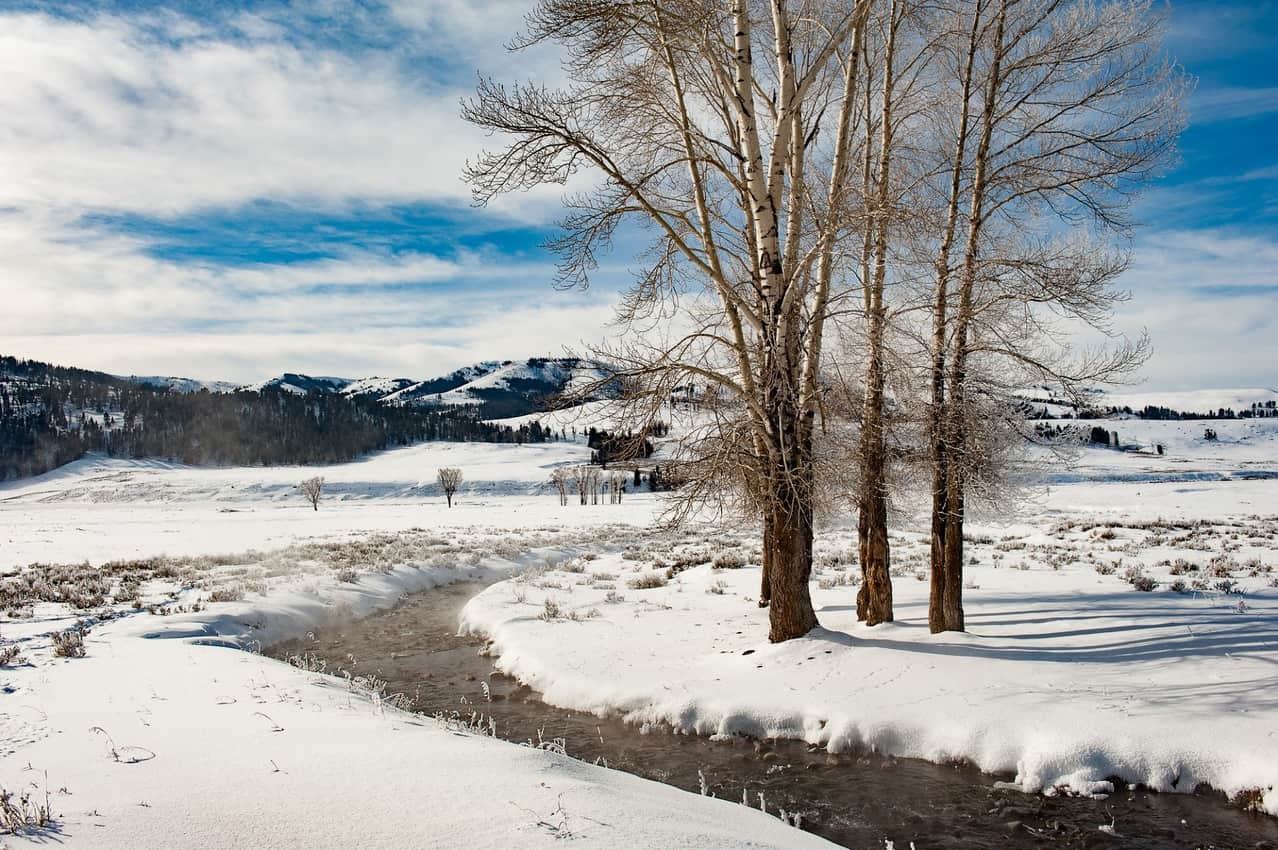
<point>1069,677</point>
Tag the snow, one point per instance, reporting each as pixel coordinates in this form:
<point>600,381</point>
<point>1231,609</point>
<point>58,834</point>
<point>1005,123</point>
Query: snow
<point>188,744</point>
<point>551,371</point>
<point>376,386</point>
<point>399,474</point>
<point>1245,447</point>
<point>102,509</point>
<point>1065,679</point>
<point>300,384</point>
<point>1068,677</point>
<point>222,748</point>
<point>1199,401</point>
<point>1194,401</point>
<point>183,385</point>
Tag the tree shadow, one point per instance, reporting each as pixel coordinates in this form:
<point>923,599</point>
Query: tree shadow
<point>1142,627</point>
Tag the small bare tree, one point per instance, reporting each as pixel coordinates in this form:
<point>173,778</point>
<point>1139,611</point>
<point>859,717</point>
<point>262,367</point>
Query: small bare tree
<point>596,475</point>
<point>450,478</point>
<point>560,479</point>
<point>581,477</point>
<point>312,489</point>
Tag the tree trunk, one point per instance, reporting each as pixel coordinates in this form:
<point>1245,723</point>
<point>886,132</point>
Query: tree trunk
<point>874,598</point>
<point>765,584</point>
<point>449,496</point>
<point>790,599</point>
<point>952,596</point>
<point>936,618</point>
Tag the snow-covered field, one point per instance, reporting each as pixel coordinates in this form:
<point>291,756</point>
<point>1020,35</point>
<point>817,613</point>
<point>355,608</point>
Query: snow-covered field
<point>161,736</point>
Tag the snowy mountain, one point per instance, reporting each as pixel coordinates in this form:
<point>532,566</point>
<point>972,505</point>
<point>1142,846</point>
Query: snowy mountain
<point>502,388</point>
<point>300,384</point>
<point>182,385</point>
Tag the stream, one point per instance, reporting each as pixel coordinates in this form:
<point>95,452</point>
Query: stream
<point>857,799</point>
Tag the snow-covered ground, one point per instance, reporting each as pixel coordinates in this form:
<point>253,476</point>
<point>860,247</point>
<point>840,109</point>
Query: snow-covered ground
<point>161,737</point>
<point>1069,675</point>
<point>103,509</point>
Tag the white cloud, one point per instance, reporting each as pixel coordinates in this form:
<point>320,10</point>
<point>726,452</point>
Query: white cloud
<point>164,115</point>
<point>104,115</point>
<point>1209,299</point>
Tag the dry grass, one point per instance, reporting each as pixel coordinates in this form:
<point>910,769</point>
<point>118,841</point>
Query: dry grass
<point>23,813</point>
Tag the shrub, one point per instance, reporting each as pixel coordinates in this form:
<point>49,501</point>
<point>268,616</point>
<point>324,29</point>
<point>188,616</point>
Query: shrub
<point>729,561</point>
<point>647,581</point>
<point>1136,577</point>
<point>844,579</point>
<point>69,643</point>
<point>227,594</point>
<point>11,656</point>
<point>1145,583</point>
<point>550,610</point>
<point>612,597</point>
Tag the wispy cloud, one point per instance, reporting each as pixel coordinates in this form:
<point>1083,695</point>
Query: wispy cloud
<point>1231,103</point>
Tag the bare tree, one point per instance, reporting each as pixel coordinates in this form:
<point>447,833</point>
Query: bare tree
<point>449,478</point>
<point>727,129</point>
<point>581,477</point>
<point>312,489</point>
<point>594,474</point>
<point>1077,109</point>
<point>560,478</point>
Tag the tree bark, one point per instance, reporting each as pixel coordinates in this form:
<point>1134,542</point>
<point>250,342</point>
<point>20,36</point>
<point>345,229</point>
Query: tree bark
<point>765,584</point>
<point>791,611</point>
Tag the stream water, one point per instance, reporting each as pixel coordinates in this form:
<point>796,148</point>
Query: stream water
<point>858,800</point>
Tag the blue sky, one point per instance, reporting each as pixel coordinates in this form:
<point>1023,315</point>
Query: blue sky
<point>232,190</point>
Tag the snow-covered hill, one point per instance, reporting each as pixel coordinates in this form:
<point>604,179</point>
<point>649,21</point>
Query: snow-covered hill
<point>507,387</point>
<point>182,385</point>
<point>1048,402</point>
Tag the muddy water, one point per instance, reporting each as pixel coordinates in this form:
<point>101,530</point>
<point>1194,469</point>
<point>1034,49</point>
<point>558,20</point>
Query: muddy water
<point>857,800</point>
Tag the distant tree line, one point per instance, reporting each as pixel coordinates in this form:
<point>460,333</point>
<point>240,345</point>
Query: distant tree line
<point>1035,409</point>
<point>606,447</point>
<point>51,415</point>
